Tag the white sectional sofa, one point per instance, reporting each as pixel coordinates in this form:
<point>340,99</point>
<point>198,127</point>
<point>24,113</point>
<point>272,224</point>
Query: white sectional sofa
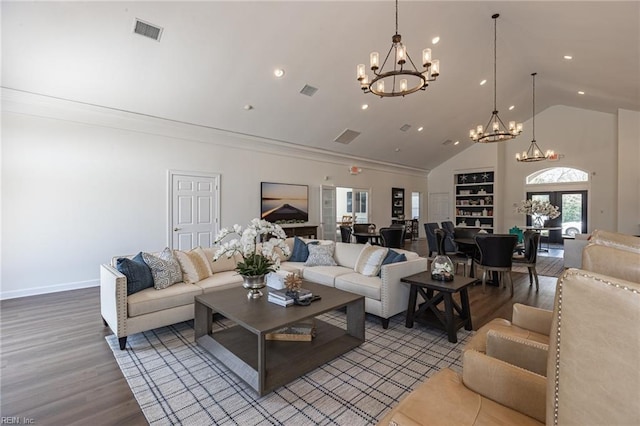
<point>385,296</point>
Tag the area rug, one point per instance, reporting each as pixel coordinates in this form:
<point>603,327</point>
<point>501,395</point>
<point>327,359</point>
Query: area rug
<point>176,383</point>
<point>545,265</point>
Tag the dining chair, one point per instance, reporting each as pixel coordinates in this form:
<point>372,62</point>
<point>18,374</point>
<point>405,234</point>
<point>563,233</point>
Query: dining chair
<point>459,259</point>
<point>429,229</point>
<point>392,237</point>
<point>361,228</point>
<point>496,255</point>
<point>345,233</point>
<point>531,242</point>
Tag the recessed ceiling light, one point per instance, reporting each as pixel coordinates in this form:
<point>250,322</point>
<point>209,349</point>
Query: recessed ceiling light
<point>248,107</point>
<point>278,72</point>
<point>397,150</point>
<point>568,57</point>
<point>365,106</point>
<point>456,142</point>
<point>420,128</point>
<point>511,107</point>
<point>580,92</point>
<point>435,40</point>
<point>483,82</point>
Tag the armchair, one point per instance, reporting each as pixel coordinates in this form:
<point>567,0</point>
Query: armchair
<point>588,382</point>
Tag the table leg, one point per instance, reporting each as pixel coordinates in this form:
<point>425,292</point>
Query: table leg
<point>262,363</point>
<point>466,311</point>
<point>203,320</point>
<point>355,319</point>
<point>448,312</point>
<point>411,308</point>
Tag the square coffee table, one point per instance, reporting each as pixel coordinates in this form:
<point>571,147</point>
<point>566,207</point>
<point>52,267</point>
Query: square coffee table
<point>267,364</point>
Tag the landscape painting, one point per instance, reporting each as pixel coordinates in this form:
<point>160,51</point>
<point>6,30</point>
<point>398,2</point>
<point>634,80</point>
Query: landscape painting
<point>284,203</point>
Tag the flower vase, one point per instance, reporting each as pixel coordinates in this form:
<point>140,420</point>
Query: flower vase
<point>538,221</point>
<point>442,268</point>
<point>253,283</point>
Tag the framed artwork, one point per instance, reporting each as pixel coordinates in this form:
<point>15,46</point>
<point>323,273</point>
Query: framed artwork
<point>284,202</point>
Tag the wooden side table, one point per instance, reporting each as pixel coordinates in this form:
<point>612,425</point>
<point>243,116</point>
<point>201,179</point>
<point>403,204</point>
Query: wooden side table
<point>435,292</point>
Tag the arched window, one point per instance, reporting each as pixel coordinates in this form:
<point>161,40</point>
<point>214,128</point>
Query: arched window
<point>557,175</point>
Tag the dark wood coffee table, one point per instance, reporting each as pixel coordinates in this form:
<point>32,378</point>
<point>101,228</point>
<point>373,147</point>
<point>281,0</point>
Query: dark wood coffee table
<point>435,292</point>
<point>267,364</point>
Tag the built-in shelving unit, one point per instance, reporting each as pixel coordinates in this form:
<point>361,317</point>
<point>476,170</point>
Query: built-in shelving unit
<point>475,199</point>
<point>397,203</point>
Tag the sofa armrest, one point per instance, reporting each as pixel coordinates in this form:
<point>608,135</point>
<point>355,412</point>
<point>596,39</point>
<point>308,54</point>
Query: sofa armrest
<point>573,252</point>
<point>113,299</point>
<point>505,384</point>
<point>611,261</point>
<point>394,294</point>
<point>517,351</point>
<point>533,319</point>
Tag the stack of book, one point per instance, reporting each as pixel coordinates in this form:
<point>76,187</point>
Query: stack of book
<point>279,297</point>
<point>303,331</point>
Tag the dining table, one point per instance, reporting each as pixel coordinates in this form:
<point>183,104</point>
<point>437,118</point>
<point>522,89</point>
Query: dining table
<point>373,237</point>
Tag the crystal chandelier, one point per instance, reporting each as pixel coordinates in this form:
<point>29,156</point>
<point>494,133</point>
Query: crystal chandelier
<point>402,79</point>
<point>534,153</point>
<point>495,130</point>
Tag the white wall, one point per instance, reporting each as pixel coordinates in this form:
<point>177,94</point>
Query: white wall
<point>629,172</point>
<point>586,139</point>
<point>81,184</point>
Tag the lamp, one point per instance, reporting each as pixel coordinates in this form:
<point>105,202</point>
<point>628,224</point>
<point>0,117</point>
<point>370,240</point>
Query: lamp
<point>495,130</point>
<point>396,82</point>
<point>534,153</point>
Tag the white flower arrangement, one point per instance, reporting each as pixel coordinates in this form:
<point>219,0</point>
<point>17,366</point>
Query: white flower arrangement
<point>258,257</point>
<point>538,208</point>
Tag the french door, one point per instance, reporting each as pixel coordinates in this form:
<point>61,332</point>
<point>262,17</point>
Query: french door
<point>573,208</point>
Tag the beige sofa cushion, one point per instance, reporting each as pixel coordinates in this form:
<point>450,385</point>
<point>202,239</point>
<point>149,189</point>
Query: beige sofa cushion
<point>220,281</point>
<point>224,263</point>
<point>360,284</point>
<point>151,300</point>
<point>479,341</point>
<point>346,254</point>
<point>194,263</point>
<point>325,275</point>
<point>370,260</point>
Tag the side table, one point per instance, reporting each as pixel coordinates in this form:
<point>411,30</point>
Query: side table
<point>435,292</point>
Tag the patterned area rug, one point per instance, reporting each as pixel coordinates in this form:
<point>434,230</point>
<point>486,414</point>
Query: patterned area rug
<point>545,265</point>
<point>176,382</point>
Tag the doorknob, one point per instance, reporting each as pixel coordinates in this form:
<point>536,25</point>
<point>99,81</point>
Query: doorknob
<point>176,229</point>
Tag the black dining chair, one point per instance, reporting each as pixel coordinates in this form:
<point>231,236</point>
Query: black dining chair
<point>361,228</point>
<point>530,257</point>
<point>429,229</point>
<point>345,233</point>
<point>392,237</point>
<point>457,258</point>
<point>496,255</point>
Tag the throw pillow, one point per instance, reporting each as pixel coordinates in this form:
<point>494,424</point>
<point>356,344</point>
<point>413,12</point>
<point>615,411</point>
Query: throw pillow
<point>137,272</point>
<point>319,255</point>
<point>392,257</point>
<point>194,264</point>
<point>300,251</point>
<point>370,260</point>
<point>164,268</point>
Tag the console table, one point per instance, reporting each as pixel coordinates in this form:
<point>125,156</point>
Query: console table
<point>309,231</point>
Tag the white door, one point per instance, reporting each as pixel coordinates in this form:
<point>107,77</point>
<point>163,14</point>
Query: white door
<point>439,208</point>
<point>328,221</point>
<point>195,209</point>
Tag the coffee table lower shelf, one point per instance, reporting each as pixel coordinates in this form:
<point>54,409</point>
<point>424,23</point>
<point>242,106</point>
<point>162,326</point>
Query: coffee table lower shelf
<point>285,361</point>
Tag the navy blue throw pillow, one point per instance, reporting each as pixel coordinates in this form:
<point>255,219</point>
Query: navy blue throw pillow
<point>137,272</point>
<point>392,257</point>
<point>300,251</point>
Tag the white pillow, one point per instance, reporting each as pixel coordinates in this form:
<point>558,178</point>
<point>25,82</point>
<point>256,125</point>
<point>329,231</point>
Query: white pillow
<point>370,260</point>
<point>195,265</point>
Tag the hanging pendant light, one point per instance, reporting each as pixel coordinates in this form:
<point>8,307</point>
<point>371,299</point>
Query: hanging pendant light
<point>534,153</point>
<point>404,78</point>
<point>495,130</point>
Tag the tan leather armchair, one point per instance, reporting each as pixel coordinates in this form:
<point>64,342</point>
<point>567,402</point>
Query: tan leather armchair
<point>593,369</point>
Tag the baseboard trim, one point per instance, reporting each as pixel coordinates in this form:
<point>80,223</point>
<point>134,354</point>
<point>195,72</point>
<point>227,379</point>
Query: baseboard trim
<point>13,294</point>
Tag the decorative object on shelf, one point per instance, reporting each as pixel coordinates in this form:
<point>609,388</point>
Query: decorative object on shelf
<point>534,153</point>
<point>293,283</point>
<point>495,130</point>
<point>442,268</point>
<point>371,228</point>
<point>400,73</point>
<point>538,210</point>
<point>258,259</point>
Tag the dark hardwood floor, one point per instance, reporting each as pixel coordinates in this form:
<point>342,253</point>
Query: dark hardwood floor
<point>57,369</point>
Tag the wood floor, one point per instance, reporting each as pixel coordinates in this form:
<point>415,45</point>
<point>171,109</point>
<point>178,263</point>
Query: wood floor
<point>57,369</point>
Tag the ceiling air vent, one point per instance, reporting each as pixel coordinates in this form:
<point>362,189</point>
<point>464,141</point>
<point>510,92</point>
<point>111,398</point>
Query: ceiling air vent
<point>405,127</point>
<point>147,30</point>
<point>347,136</point>
<point>308,90</point>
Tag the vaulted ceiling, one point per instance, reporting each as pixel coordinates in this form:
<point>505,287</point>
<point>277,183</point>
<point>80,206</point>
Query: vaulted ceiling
<point>215,58</point>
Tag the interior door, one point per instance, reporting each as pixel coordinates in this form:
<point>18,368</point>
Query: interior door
<point>194,211</point>
<point>328,219</point>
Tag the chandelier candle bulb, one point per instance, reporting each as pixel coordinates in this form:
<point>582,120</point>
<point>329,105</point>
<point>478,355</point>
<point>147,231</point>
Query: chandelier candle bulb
<point>496,126</point>
<point>435,68</point>
<point>402,53</point>
<point>361,71</point>
<point>479,130</point>
<point>519,128</point>
<point>375,60</point>
<point>426,57</point>
<point>403,84</point>
<point>380,86</point>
